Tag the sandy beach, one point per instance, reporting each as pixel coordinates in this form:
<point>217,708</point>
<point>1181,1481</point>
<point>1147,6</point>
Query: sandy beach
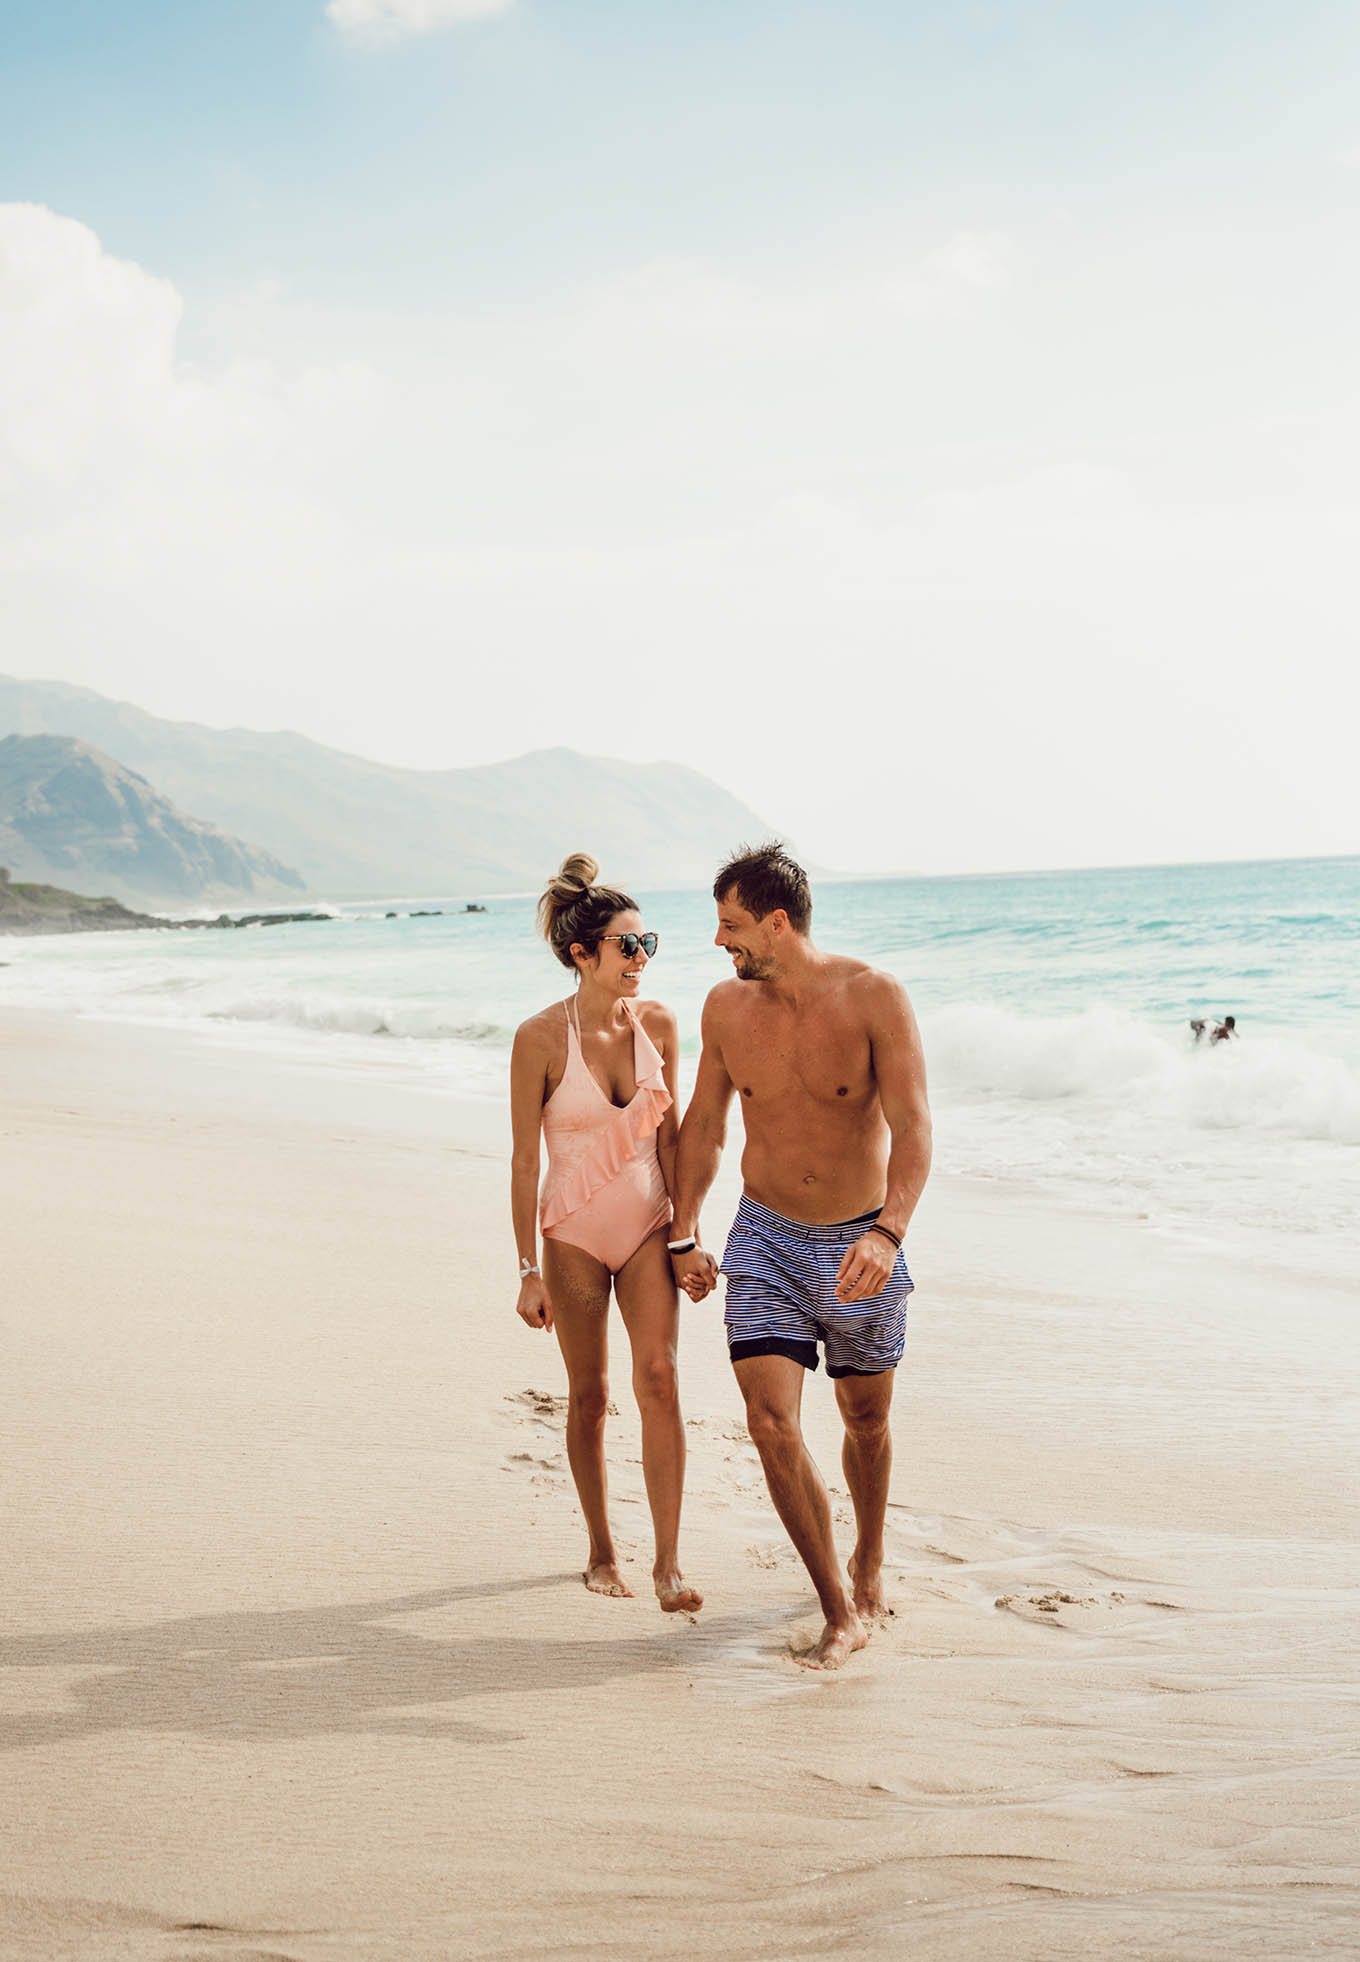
<point>296,1662</point>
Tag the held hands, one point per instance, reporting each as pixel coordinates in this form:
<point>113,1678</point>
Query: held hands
<point>866,1268</point>
<point>533,1305</point>
<point>696,1272</point>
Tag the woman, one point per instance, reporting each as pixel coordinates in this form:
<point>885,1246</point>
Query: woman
<point>595,1074</point>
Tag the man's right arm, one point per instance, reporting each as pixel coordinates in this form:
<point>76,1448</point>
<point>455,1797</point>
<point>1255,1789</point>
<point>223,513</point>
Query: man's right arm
<point>702,1136</point>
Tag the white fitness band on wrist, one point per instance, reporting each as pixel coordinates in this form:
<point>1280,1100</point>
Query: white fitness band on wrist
<point>681,1246</point>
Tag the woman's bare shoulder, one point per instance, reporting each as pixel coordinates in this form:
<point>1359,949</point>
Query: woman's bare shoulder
<point>656,1018</point>
<point>543,1030</point>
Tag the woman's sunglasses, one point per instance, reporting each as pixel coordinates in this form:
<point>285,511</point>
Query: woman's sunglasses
<point>630,942</point>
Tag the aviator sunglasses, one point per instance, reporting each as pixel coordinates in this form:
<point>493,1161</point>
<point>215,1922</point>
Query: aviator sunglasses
<point>630,942</point>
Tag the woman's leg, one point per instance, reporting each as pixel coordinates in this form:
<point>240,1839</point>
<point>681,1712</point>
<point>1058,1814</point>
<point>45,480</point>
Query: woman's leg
<point>578,1286</point>
<point>647,1302</point>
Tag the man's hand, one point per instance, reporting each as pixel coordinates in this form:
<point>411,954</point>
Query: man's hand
<point>696,1272</point>
<point>533,1305</point>
<point>866,1268</point>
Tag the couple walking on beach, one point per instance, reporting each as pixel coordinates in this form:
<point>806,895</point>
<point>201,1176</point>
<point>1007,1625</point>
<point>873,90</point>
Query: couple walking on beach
<point>825,1055</point>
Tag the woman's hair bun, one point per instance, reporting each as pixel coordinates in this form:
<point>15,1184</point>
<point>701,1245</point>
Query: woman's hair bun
<point>570,883</point>
<point>574,909</point>
<point>578,871</point>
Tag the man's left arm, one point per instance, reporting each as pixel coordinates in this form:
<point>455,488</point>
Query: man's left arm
<point>899,1067</point>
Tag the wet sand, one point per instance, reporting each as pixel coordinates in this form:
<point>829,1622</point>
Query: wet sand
<point>296,1661</point>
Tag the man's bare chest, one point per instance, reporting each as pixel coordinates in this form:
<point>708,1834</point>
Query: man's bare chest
<point>813,1065</point>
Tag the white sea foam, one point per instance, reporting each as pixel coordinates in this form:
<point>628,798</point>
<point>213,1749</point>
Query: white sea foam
<point>1261,1134</point>
<point>1113,1062</point>
<point>340,1015</point>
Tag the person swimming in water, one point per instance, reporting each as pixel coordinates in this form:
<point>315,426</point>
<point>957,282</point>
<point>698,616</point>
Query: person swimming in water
<point>1223,1031</point>
<point>594,1077</point>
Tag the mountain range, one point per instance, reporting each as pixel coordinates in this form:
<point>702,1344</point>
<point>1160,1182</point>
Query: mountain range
<point>70,814</point>
<point>337,825</point>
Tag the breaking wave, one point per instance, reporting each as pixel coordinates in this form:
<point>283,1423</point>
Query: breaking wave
<point>1108,1062</point>
<point>413,1021</point>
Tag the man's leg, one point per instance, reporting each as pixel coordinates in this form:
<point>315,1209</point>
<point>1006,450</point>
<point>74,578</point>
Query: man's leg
<point>865,1403</point>
<point>773,1389</point>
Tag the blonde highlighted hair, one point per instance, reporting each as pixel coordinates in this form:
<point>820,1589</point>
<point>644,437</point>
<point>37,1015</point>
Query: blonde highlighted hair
<point>574,911</point>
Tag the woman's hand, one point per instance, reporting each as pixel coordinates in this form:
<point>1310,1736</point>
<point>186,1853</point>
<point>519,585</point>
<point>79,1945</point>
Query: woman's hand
<point>533,1305</point>
<point>696,1272</point>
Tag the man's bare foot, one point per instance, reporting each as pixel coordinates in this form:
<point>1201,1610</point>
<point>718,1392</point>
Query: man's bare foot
<point>839,1640</point>
<point>603,1577</point>
<point>675,1596</point>
<point>870,1602</point>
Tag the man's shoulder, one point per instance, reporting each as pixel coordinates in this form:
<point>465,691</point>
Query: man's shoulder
<point>870,990</point>
<point>725,996</point>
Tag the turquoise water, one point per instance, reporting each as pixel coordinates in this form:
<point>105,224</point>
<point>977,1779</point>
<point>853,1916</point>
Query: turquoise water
<point>1054,1007</point>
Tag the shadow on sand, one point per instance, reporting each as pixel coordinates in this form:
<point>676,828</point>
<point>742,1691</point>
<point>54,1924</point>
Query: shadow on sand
<point>300,1672</point>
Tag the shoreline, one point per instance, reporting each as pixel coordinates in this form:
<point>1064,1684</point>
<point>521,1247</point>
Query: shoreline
<point>985,1249</point>
<point>294,1560</point>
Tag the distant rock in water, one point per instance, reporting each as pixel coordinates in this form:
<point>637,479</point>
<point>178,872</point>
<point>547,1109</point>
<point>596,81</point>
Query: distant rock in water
<point>261,919</point>
<point>70,813</point>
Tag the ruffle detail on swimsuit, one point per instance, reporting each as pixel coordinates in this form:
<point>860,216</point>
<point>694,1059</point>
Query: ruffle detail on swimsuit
<point>612,1144</point>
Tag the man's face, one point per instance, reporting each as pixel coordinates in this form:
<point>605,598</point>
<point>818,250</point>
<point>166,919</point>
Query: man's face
<point>749,941</point>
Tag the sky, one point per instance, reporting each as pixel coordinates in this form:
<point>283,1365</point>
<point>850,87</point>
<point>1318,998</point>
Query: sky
<point>937,423</point>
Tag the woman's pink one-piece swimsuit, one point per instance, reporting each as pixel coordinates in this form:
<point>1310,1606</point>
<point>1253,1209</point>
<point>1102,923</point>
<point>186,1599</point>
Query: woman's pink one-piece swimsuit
<point>604,1190</point>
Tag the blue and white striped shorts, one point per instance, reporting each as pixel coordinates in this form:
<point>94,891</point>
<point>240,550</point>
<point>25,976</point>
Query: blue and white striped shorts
<point>781,1295</point>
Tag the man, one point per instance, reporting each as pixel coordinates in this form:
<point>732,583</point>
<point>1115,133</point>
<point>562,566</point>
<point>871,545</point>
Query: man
<point>826,1057</point>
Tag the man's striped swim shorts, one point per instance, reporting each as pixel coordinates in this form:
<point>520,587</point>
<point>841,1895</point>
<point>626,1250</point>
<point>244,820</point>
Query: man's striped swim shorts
<point>781,1295</point>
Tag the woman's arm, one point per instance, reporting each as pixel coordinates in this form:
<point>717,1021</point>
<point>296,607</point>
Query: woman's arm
<point>528,1082</point>
<point>660,1025</point>
<point>702,1136</point>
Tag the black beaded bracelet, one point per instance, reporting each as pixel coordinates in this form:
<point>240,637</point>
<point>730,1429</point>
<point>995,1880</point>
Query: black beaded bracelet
<point>887,1233</point>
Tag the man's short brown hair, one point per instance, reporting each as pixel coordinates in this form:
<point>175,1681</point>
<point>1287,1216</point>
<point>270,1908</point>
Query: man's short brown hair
<point>765,878</point>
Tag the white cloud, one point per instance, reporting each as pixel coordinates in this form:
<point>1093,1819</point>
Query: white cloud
<point>399,20</point>
<point>883,548</point>
<point>87,343</point>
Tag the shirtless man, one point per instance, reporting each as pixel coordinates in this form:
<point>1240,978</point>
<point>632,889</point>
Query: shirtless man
<point>827,1059</point>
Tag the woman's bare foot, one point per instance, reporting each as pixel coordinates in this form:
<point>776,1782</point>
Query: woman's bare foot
<point>839,1640</point>
<point>603,1577</point>
<point>867,1582</point>
<point>675,1596</point>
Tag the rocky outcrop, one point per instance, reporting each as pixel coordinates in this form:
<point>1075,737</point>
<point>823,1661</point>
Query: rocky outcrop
<point>27,908</point>
<point>70,813</point>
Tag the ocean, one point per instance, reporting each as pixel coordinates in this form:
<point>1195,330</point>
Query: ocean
<point>1055,1008</point>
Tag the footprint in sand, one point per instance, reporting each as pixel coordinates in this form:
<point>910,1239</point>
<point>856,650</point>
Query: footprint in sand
<point>1075,1611</point>
<point>546,1406</point>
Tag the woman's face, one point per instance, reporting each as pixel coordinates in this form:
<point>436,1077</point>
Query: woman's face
<point>617,973</point>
